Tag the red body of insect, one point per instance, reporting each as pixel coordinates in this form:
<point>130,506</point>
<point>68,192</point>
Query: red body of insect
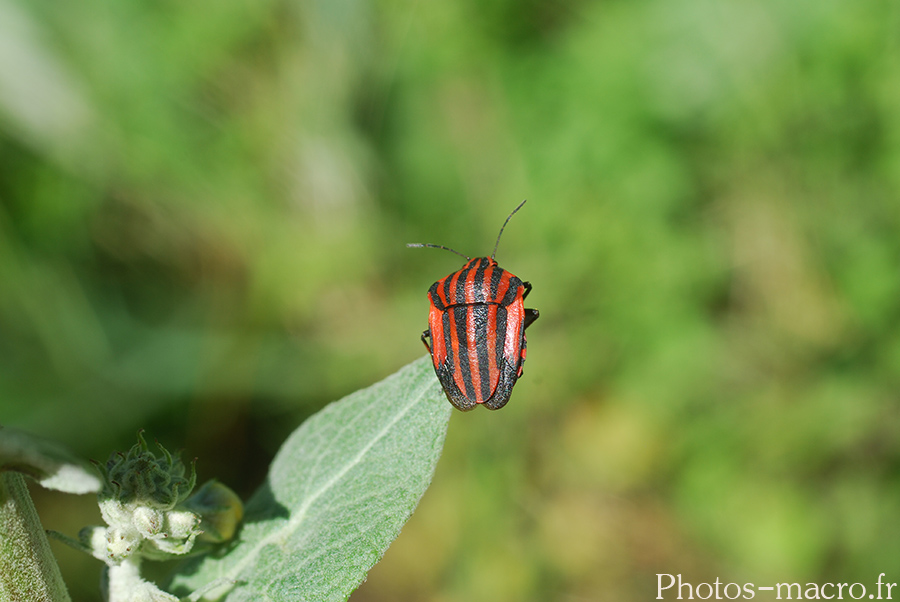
<point>477,325</point>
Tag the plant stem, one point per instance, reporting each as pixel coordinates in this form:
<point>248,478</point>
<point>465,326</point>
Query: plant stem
<point>28,570</point>
<point>126,584</point>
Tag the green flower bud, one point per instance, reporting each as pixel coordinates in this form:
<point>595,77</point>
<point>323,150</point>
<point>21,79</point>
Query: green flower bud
<point>146,505</point>
<point>141,501</point>
<point>140,476</point>
<point>220,508</point>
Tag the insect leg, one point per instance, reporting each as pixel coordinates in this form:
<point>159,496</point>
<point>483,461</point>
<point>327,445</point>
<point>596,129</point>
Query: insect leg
<point>425,335</point>
<point>527,286</point>
<point>530,316</point>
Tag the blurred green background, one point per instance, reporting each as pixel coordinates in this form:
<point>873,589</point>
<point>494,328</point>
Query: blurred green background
<point>203,211</point>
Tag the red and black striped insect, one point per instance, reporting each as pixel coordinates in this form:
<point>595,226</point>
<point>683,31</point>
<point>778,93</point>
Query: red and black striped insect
<point>477,325</point>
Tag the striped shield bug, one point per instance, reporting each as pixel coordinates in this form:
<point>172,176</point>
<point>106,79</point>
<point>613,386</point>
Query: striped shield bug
<point>476,324</point>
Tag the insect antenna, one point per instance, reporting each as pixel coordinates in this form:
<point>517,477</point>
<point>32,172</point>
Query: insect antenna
<point>504,226</point>
<point>419,245</point>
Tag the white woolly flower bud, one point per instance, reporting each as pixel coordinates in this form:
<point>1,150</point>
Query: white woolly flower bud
<point>121,543</point>
<point>182,524</point>
<point>148,521</point>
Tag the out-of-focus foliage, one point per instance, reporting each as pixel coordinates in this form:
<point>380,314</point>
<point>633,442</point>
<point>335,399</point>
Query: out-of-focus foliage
<point>203,207</point>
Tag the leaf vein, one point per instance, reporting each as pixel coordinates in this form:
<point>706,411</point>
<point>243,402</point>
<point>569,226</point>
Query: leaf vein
<point>280,536</point>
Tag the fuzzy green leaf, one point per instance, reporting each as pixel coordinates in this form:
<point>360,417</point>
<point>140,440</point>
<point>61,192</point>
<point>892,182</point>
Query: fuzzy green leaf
<point>28,570</point>
<point>49,463</point>
<point>337,494</point>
